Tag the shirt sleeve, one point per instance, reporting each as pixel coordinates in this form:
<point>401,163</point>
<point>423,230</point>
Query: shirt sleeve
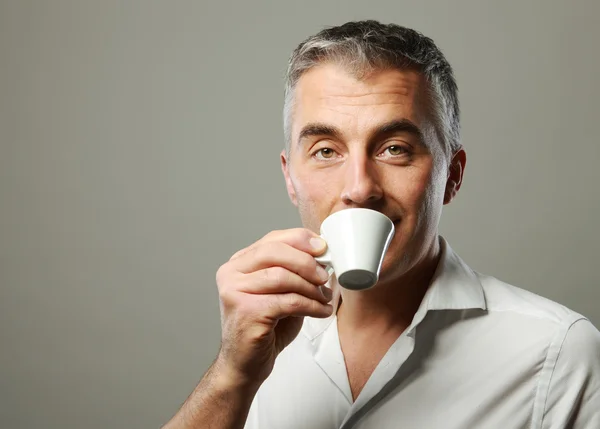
<point>573,400</point>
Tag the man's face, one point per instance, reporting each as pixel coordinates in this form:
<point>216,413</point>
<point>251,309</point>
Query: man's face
<point>368,143</point>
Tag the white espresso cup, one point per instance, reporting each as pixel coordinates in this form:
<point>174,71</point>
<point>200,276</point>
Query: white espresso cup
<point>357,240</point>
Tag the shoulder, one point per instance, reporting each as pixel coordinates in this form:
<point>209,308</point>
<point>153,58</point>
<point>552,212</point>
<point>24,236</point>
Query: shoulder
<point>506,298</point>
<point>531,318</point>
<point>569,388</point>
<point>580,347</point>
<point>568,380</point>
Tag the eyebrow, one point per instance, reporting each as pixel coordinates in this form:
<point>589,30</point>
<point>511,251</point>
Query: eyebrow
<point>318,129</point>
<point>400,126</point>
<point>389,128</point>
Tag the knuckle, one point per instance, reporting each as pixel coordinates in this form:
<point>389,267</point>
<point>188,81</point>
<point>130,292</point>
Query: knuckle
<point>294,235</point>
<point>221,275</point>
<point>307,267</point>
<point>262,252</point>
<point>300,235</point>
<point>238,254</point>
<point>226,296</point>
<point>276,276</point>
<point>309,261</point>
<point>267,251</point>
<point>256,254</point>
<point>273,234</point>
<point>237,306</point>
<point>295,301</point>
<point>273,304</point>
<point>305,234</point>
<point>228,285</point>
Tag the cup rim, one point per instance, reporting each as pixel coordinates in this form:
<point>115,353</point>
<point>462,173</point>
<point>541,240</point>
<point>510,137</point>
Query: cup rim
<point>354,209</point>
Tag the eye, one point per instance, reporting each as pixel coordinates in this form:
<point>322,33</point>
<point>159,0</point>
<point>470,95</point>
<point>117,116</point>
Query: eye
<point>396,150</point>
<point>324,153</point>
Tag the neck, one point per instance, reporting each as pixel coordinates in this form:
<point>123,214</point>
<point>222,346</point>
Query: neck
<point>390,305</point>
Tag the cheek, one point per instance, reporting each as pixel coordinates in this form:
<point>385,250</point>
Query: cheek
<point>421,194</point>
<point>313,188</point>
<point>412,189</point>
<point>314,196</point>
<point>431,200</point>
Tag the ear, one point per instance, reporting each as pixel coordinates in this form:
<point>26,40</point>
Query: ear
<point>285,168</point>
<point>456,170</point>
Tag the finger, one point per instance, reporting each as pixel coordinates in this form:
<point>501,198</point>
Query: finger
<point>293,304</point>
<point>299,238</point>
<point>278,280</point>
<point>277,254</point>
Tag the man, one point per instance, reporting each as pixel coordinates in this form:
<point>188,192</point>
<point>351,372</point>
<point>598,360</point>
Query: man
<point>371,120</point>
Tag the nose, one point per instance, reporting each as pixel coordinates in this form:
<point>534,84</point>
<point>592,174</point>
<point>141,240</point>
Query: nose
<point>361,185</point>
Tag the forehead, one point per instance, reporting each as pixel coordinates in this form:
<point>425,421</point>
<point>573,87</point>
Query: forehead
<point>329,93</point>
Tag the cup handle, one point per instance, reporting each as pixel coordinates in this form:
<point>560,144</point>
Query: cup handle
<point>325,260</point>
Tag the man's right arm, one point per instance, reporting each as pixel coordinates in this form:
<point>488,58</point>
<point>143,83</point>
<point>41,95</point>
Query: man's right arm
<point>265,291</point>
<point>218,402</point>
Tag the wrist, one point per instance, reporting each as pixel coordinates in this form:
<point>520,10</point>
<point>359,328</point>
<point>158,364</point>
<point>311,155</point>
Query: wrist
<point>225,378</point>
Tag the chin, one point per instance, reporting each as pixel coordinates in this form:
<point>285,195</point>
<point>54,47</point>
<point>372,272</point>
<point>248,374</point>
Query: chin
<point>394,265</point>
<point>400,256</point>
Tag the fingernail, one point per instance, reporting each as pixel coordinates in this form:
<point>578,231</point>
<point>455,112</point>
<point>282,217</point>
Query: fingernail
<point>317,243</point>
<point>322,273</point>
<point>327,293</point>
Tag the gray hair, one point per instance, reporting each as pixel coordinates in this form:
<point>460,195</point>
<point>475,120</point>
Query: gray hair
<point>365,46</point>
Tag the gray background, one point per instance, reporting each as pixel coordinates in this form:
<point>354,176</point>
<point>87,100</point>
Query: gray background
<point>139,150</point>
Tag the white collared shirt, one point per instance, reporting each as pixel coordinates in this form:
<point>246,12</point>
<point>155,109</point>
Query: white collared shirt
<point>479,354</point>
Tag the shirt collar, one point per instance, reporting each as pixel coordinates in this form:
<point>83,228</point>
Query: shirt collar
<point>454,286</point>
